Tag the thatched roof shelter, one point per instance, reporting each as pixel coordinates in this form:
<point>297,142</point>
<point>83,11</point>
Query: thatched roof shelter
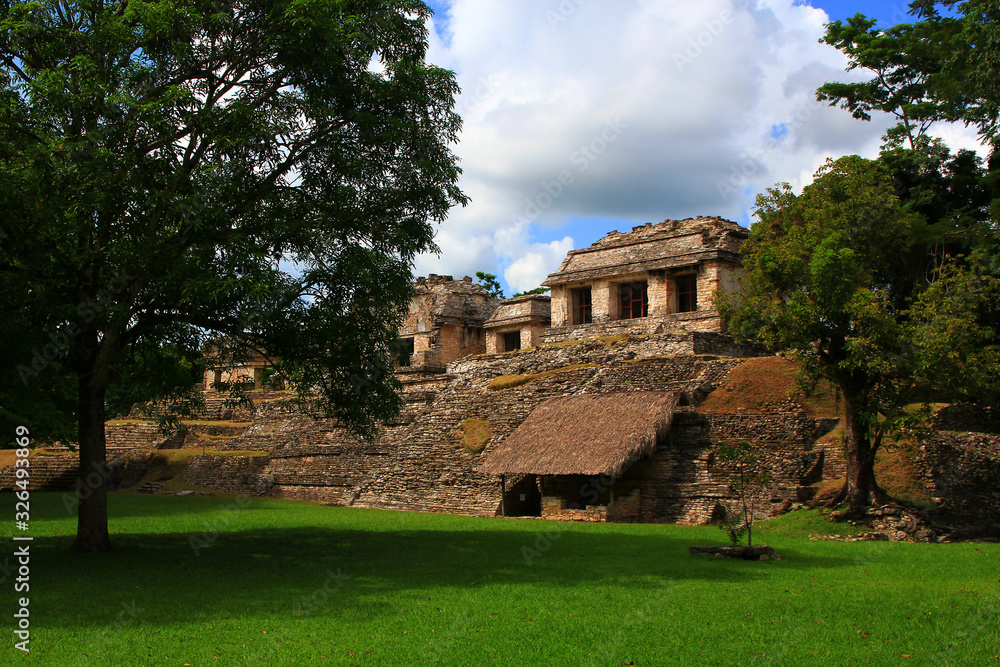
<point>586,434</point>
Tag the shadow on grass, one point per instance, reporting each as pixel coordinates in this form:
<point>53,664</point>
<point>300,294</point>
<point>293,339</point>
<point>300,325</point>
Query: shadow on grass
<point>181,577</point>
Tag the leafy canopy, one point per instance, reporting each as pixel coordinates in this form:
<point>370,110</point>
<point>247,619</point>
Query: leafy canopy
<point>252,175</point>
<point>256,172</point>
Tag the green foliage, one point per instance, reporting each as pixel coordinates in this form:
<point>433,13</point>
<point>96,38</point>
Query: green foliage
<point>537,290</point>
<point>955,325</point>
<point>182,173</point>
<point>903,60</point>
<point>734,525</point>
<point>934,323</point>
<point>938,68</point>
<point>829,275</point>
<point>490,283</point>
<point>750,482</point>
<point>864,290</point>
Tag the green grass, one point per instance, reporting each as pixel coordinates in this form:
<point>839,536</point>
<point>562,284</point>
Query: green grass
<point>228,581</point>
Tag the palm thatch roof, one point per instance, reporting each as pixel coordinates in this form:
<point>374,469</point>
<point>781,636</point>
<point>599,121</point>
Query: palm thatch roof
<point>586,434</point>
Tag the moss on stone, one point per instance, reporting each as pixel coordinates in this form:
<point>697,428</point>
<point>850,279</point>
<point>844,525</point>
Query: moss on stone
<point>475,434</point>
<point>509,381</point>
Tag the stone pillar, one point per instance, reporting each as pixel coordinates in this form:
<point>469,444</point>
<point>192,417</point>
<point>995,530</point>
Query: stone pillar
<point>708,283</point>
<point>492,342</point>
<point>603,301</point>
<point>658,293</point>
<point>560,305</point>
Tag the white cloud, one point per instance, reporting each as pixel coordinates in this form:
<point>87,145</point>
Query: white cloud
<point>533,266</point>
<point>637,110</point>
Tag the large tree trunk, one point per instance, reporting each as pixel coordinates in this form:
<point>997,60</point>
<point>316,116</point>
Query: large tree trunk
<point>92,521</point>
<point>860,489</point>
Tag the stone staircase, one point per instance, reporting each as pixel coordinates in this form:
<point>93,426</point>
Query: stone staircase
<point>46,473</point>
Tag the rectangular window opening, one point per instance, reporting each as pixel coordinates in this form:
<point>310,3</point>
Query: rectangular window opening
<point>687,293</point>
<point>581,310</point>
<point>512,341</point>
<point>404,351</point>
<point>633,300</point>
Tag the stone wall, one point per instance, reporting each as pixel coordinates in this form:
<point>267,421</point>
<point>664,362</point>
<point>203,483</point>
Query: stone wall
<point>962,470</point>
<point>133,435</point>
<point>445,320</point>
<point>698,321</point>
<point>418,463</point>
<point>683,481</point>
<point>230,474</point>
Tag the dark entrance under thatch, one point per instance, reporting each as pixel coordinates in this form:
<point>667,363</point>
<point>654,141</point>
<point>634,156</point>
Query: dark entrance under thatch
<point>523,497</point>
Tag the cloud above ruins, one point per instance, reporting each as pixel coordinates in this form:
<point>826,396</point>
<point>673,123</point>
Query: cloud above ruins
<point>581,117</point>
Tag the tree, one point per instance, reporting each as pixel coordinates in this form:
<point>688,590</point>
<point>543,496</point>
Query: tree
<point>828,276</point>
<point>904,60</point>
<point>176,173</point>
<point>750,483</point>
<point>490,283</point>
<point>537,290</point>
<point>940,68</point>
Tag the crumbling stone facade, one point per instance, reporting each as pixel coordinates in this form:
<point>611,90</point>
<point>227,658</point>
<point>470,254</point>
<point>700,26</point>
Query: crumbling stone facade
<point>631,313</point>
<point>249,372</point>
<point>418,463</point>
<point>654,279</point>
<point>518,323</point>
<point>445,321</point>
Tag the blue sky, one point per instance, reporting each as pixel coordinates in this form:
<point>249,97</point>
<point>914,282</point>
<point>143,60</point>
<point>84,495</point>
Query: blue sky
<point>586,116</point>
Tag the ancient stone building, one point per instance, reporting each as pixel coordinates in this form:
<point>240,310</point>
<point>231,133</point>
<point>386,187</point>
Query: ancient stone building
<point>445,322</point>
<point>601,416</point>
<point>653,279</point>
<point>517,323</point>
<point>247,370</point>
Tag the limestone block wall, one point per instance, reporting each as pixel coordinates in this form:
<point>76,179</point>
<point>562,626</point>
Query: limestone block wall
<point>658,291</point>
<point>683,481</point>
<point>705,321</point>
<point>231,474</point>
<point>132,435</point>
<point>528,315</point>
<point>962,469</point>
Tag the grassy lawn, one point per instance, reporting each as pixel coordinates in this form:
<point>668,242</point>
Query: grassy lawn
<point>226,581</point>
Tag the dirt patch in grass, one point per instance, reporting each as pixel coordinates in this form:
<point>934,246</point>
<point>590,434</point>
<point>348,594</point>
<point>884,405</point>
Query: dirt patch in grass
<point>509,381</point>
<point>764,384</point>
<point>475,433</point>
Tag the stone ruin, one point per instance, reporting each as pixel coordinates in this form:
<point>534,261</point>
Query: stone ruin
<point>631,313</point>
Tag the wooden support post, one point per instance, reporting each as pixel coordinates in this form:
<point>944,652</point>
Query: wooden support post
<point>503,495</point>
<point>611,501</point>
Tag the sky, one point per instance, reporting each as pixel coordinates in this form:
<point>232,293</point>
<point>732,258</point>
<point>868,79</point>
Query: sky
<point>585,116</point>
